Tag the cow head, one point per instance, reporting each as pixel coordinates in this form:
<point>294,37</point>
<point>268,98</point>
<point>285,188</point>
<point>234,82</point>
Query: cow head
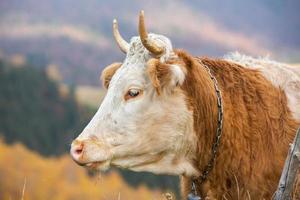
<point>143,123</point>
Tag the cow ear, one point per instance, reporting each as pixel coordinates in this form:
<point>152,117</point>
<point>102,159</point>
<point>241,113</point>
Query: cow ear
<point>165,76</point>
<point>108,73</point>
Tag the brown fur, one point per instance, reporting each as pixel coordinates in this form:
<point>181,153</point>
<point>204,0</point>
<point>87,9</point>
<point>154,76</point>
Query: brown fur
<point>258,127</point>
<point>159,73</point>
<point>108,73</point>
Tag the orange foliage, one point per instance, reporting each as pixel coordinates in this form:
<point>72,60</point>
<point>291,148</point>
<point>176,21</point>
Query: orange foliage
<point>59,179</point>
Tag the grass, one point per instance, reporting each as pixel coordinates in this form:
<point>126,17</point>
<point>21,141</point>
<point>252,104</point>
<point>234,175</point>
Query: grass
<point>24,188</point>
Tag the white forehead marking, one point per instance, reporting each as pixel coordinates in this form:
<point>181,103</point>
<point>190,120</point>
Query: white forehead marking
<point>133,67</point>
<point>280,75</point>
<point>138,53</point>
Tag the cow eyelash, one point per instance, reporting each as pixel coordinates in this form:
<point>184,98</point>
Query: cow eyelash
<point>132,93</point>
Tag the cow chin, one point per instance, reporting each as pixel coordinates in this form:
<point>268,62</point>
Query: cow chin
<point>98,165</point>
<point>161,163</point>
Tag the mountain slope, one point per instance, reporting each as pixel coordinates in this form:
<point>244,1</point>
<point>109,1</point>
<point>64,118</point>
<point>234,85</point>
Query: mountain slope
<point>76,35</point>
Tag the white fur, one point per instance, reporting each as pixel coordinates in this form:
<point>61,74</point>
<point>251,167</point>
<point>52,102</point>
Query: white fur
<point>178,75</point>
<point>166,166</point>
<point>281,75</point>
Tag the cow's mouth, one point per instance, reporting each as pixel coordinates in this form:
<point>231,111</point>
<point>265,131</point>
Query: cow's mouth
<point>98,165</point>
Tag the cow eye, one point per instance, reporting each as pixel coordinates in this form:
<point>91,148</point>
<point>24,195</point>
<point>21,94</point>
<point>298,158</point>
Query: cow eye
<point>132,93</point>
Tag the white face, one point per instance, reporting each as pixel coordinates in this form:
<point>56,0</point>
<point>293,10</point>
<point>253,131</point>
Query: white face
<point>136,128</point>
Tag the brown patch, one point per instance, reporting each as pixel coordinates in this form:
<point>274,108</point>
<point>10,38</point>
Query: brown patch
<point>159,74</point>
<point>258,127</point>
<point>108,73</point>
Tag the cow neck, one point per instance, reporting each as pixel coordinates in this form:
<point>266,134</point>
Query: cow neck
<point>218,131</point>
<point>205,99</point>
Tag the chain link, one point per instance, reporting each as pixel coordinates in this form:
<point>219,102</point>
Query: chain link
<point>217,141</point>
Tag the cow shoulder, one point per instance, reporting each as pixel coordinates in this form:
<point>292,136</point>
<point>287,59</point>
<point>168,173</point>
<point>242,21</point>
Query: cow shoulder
<point>283,76</point>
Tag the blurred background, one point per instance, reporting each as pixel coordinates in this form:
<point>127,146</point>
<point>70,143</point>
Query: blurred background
<point>52,53</point>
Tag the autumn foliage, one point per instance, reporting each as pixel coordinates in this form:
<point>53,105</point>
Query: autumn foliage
<point>59,179</point>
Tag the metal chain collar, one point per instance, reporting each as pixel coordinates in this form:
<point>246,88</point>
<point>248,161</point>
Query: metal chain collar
<point>208,168</point>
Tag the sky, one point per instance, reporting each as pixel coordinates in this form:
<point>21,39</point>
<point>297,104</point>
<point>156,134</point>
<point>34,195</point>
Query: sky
<point>77,35</point>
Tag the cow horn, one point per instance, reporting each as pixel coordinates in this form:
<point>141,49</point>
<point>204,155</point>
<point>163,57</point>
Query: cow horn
<point>124,46</point>
<point>148,44</point>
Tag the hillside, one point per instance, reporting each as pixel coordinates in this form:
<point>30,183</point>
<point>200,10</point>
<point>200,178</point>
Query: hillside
<point>89,96</point>
<point>76,35</point>
<point>34,112</point>
<point>42,113</point>
<point>59,179</point>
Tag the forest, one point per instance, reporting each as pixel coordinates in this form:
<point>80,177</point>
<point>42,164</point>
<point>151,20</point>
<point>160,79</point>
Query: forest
<point>39,118</point>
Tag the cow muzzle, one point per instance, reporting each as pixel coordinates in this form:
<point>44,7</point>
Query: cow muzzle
<point>76,152</point>
<point>90,153</point>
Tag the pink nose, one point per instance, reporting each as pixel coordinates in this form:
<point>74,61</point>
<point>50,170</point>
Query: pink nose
<point>77,149</point>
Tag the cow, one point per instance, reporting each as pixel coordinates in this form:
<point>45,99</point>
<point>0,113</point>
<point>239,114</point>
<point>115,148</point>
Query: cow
<point>222,125</point>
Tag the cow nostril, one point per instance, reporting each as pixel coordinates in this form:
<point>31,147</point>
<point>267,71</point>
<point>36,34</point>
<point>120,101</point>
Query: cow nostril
<point>77,149</point>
